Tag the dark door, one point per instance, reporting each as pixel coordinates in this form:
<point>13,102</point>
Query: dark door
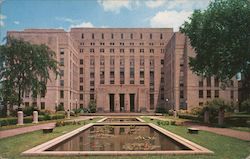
<point>132,102</point>
<point>122,105</point>
<point>112,102</point>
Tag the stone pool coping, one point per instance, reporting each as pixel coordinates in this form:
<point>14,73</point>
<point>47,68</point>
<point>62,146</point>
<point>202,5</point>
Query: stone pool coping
<point>124,117</point>
<point>40,149</point>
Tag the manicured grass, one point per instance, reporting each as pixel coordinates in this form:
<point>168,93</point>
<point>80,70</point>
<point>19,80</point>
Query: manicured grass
<point>224,147</point>
<point>247,129</point>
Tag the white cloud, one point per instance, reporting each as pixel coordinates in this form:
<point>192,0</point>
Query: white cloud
<point>68,20</point>
<point>2,17</point>
<point>16,22</point>
<point>82,25</point>
<point>186,5</point>
<point>155,3</point>
<point>169,19</point>
<point>117,5</point>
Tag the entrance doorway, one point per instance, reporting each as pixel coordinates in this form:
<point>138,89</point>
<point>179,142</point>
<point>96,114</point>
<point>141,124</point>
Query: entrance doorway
<point>122,104</point>
<point>112,102</point>
<point>132,102</point>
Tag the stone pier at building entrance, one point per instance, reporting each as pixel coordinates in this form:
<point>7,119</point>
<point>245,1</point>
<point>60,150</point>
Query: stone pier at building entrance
<point>122,99</point>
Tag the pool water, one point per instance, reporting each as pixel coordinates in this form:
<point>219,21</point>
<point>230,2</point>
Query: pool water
<point>119,138</point>
<point>120,120</point>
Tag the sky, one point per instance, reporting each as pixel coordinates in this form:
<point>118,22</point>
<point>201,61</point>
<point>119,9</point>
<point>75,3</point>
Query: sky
<point>65,14</point>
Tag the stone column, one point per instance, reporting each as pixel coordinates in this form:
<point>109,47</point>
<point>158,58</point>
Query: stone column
<point>117,102</point>
<point>206,116</point>
<point>175,114</point>
<point>35,117</point>
<point>221,117</point>
<point>127,103</point>
<point>68,114</point>
<point>20,118</point>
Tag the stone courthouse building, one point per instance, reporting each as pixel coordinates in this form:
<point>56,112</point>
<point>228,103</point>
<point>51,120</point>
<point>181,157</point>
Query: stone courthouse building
<point>123,70</point>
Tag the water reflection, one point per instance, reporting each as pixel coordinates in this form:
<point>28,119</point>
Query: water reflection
<point>119,138</point>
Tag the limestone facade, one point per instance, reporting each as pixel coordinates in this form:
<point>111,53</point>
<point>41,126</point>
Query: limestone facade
<point>121,69</point>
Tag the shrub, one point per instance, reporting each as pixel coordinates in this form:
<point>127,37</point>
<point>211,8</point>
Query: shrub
<point>189,116</point>
<point>245,106</point>
<point>57,116</point>
<point>92,106</point>
<point>60,107</point>
<point>28,111</point>
<point>161,110</point>
<point>47,117</point>
<point>8,121</point>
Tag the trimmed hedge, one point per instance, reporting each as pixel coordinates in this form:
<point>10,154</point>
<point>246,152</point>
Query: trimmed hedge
<point>238,120</point>
<point>29,119</point>
<point>189,116</point>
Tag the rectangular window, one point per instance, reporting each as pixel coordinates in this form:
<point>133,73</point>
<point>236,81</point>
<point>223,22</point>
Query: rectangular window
<point>151,101</point>
<point>181,94</point>
<point>201,82</point>
<point>102,36</point>
<point>81,88</point>
<point>112,50</point>
<point>92,50</point>
<point>93,36</point>
<point>92,74</point>
<point>81,70</point>
<point>61,94</point>
<point>208,81</point>
<point>141,81</point>
<point>161,36</point>
<point>208,93</point>
<point>61,83</point>
<point>141,36</point>
<point>92,83</point>
<point>81,80</point>
<point>81,96</point>
<point>102,50</point>
<point>162,61</point>
<point>142,50</point>
<point>82,36</point>
<point>112,82</point>
<point>151,36</point>
<point>131,36</point>
<point>62,51</point>
<point>112,74</point>
<point>61,61</point>
<point>61,73</point>
<point>216,82</point>
<point>232,94</point>
<point>121,50</point>
<point>141,74</point>
<point>216,94</point>
<point>132,82</point>
<point>132,72</point>
<point>121,35</point>
<point>92,97</point>
<point>132,50</point>
<point>81,61</point>
<point>81,50</point>
<point>42,105</point>
<point>200,93</point>
<point>151,50</point>
<point>112,36</point>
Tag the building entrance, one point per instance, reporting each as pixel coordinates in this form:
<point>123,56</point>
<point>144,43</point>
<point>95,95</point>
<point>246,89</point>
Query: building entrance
<point>122,104</point>
<point>111,102</point>
<point>132,102</point>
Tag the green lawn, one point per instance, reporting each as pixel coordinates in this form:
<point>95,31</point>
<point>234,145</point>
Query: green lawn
<point>224,147</point>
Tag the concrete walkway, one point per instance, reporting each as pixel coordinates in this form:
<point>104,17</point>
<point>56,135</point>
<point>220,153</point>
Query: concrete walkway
<point>22,130</point>
<point>221,131</point>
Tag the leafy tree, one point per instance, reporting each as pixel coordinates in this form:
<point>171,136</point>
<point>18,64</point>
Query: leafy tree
<point>25,67</point>
<point>220,36</point>
<point>92,106</point>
